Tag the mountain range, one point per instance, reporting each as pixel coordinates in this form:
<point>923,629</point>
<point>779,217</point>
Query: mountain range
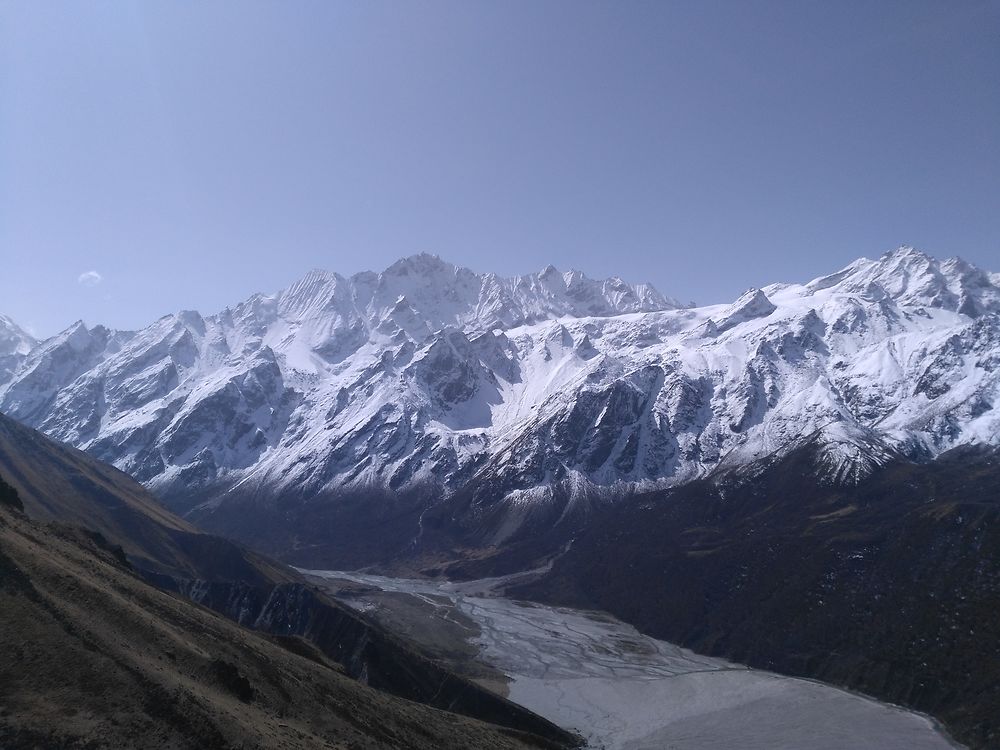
<point>340,411</point>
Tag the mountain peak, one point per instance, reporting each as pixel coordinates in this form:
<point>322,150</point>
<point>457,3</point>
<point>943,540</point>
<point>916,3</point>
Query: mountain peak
<point>915,279</point>
<point>439,294</point>
<point>14,339</point>
<point>420,263</point>
<point>907,252</point>
<point>750,305</point>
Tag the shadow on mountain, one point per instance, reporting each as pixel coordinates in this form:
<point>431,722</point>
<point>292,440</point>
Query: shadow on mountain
<point>890,588</point>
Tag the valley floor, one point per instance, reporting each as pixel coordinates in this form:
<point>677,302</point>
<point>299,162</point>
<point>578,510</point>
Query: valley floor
<point>621,690</point>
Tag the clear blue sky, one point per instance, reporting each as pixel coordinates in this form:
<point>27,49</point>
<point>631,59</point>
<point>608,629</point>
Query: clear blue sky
<point>191,153</point>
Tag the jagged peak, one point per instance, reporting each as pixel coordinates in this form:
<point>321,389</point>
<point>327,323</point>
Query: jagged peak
<point>313,280</point>
<point>752,303</point>
<point>13,338</point>
<point>752,296</point>
<point>914,278</point>
<point>76,336</point>
<point>73,329</point>
<point>421,263</point>
<point>319,274</point>
<point>907,253</point>
<point>8,322</point>
<point>315,291</point>
<point>440,293</point>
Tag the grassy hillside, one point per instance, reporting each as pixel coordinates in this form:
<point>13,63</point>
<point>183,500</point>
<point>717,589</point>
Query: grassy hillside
<point>93,657</point>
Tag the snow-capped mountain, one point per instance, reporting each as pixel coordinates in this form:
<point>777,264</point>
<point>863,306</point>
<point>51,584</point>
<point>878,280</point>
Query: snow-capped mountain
<point>519,390</point>
<point>15,344</point>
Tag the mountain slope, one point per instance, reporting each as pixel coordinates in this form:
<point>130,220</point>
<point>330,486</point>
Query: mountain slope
<point>889,587</point>
<point>342,408</point>
<point>91,656</point>
<point>53,482</point>
<point>58,483</point>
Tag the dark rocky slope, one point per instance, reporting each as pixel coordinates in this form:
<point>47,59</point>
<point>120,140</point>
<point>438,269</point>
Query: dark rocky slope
<point>891,588</point>
<point>56,482</point>
<point>93,657</point>
<point>367,651</point>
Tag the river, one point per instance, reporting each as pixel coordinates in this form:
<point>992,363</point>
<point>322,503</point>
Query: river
<point>621,690</point>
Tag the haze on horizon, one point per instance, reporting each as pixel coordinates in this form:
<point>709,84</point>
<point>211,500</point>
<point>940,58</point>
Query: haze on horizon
<point>163,156</point>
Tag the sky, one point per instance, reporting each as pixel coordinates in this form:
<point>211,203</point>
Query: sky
<point>159,156</point>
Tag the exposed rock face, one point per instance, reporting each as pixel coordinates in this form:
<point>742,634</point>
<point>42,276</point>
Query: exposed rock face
<point>532,396</point>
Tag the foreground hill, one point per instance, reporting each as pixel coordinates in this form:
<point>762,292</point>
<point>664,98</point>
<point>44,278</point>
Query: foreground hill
<point>115,516</point>
<point>93,657</point>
